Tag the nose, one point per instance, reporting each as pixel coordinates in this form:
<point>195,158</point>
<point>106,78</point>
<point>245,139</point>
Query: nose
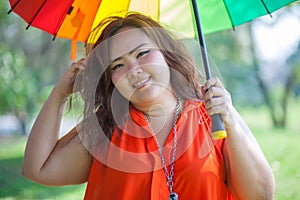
<point>133,67</point>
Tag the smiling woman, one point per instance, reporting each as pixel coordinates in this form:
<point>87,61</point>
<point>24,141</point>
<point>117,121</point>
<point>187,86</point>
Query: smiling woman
<point>142,75</point>
<point>146,131</point>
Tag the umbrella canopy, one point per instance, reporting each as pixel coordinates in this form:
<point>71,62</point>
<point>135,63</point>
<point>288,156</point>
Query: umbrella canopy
<point>74,19</point>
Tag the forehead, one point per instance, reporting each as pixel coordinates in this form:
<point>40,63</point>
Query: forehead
<point>126,40</point>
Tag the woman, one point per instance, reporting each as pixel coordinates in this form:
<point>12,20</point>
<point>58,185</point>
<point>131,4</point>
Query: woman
<point>146,132</point>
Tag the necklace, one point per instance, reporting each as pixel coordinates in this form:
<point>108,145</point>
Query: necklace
<point>169,175</point>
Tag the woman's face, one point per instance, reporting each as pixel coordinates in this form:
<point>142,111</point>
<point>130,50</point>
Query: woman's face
<point>139,70</point>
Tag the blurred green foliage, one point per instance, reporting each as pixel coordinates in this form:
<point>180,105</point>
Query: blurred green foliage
<point>30,63</point>
<point>14,186</point>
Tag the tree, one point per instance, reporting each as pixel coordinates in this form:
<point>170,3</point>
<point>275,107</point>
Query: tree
<point>236,55</point>
<point>30,63</point>
<point>277,104</point>
<point>294,62</point>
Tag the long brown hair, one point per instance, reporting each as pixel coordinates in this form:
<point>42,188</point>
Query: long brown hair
<point>184,78</point>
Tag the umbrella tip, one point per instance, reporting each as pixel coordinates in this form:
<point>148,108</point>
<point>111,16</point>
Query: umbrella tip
<point>70,10</point>
<point>9,11</point>
<point>13,7</point>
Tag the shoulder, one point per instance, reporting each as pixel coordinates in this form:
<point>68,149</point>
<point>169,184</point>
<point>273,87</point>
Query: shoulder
<point>191,104</point>
<point>194,115</point>
<point>195,108</point>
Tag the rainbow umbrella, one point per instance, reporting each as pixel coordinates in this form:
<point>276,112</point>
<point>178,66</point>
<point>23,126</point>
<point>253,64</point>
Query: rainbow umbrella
<point>74,19</point>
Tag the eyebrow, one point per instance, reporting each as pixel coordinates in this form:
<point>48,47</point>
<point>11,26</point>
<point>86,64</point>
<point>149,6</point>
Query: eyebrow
<point>131,52</point>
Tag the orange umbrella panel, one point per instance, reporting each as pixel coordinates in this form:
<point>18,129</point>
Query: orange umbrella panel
<point>86,15</point>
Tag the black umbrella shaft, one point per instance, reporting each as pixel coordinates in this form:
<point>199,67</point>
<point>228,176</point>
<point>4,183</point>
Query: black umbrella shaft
<point>201,40</point>
<point>218,130</point>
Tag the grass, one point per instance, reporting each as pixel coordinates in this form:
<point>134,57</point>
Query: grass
<point>281,147</point>
<point>14,186</point>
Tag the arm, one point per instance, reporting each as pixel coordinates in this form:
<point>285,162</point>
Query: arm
<point>249,175</point>
<point>48,159</point>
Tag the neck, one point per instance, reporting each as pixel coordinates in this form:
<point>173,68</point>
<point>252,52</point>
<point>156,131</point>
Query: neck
<point>159,107</point>
<point>162,125</point>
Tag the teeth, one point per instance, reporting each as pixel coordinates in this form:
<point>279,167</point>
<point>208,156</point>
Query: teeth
<point>141,82</point>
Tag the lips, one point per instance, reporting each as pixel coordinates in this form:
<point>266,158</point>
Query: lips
<point>142,82</point>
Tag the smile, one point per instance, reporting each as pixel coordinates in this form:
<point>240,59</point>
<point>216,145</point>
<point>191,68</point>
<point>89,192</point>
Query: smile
<point>141,83</point>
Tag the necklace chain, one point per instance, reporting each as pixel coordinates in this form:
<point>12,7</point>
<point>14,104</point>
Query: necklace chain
<point>169,175</point>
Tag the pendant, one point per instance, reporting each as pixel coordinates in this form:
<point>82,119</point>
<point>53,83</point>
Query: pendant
<point>173,196</point>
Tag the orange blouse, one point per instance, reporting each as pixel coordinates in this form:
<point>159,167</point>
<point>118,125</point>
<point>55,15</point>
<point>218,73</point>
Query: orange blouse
<point>132,169</point>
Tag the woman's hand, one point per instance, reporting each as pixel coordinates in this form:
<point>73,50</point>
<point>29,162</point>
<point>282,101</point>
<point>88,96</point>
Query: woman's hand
<point>217,100</point>
<point>241,151</point>
<point>49,159</point>
<point>66,83</point>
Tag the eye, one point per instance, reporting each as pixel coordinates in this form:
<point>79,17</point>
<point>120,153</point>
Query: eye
<point>117,66</point>
<point>142,53</point>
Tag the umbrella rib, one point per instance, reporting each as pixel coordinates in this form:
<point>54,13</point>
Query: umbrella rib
<point>36,14</point>
<point>158,8</point>
<point>266,8</point>
<point>227,10</point>
<point>69,11</point>
<point>13,7</point>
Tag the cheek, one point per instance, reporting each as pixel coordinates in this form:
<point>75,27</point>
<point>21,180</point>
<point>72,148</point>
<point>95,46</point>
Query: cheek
<point>114,78</point>
<point>120,83</point>
<point>159,68</point>
<point>155,62</point>
<point>117,77</point>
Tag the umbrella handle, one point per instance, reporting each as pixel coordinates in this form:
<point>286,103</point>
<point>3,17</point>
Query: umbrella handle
<point>218,130</point>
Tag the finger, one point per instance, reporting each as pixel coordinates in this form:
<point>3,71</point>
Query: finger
<point>217,109</point>
<point>219,83</point>
<point>82,63</point>
<point>213,109</point>
<point>74,67</point>
<point>215,102</point>
<point>223,110</point>
<point>213,92</point>
<point>213,82</point>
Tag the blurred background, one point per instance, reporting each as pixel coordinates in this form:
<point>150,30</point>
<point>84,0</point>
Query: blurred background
<point>259,63</point>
